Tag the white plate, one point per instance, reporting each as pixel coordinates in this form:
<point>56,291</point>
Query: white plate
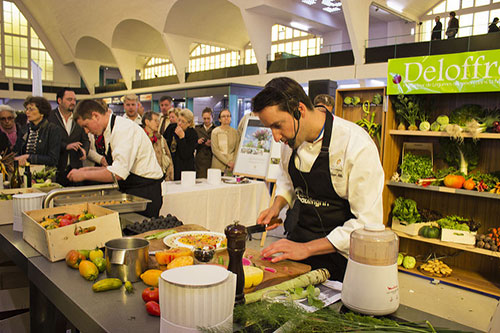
<point>173,240</point>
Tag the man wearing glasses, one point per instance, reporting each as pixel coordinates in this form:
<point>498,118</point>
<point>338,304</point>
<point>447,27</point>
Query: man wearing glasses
<point>8,126</point>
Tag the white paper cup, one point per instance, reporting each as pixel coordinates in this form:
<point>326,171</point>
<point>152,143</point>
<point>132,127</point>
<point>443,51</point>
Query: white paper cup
<point>214,176</point>
<point>188,178</point>
<point>25,202</point>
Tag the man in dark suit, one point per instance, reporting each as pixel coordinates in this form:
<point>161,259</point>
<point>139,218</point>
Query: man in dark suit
<point>438,28</point>
<point>75,142</point>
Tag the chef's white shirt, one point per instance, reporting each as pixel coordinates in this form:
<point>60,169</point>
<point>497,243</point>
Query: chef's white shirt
<point>131,150</point>
<point>356,173</point>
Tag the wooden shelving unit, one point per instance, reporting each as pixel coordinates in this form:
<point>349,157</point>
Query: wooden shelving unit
<point>355,113</point>
<point>443,134</point>
<point>474,268</point>
<point>464,279</point>
<point>444,189</point>
<point>468,248</point>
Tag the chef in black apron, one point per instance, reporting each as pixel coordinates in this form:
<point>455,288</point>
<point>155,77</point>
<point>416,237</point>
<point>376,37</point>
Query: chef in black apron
<point>325,212</point>
<point>129,154</point>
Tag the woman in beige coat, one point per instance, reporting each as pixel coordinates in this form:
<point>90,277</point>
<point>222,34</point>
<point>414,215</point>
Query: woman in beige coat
<point>225,140</point>
<point>151,122</point>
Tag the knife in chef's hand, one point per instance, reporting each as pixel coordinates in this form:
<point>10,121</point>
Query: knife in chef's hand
<point>262,227</point>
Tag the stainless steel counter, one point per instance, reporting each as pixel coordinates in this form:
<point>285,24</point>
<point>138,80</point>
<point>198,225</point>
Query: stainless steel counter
<point>59,295</point>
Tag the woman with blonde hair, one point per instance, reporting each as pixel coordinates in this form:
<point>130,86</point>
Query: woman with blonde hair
<point>151,123</point>
<point>225,140</point>
<point>183,143</point>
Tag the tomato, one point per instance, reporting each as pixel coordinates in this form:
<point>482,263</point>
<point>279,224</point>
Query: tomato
<point>73,258</point>
<point>153,308</point>
<point>150,294</point>
<point>65,222</point>
<point>67,217</point>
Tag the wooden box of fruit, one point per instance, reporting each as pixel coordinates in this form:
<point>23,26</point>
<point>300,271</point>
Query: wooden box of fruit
<point>6,203</point>
<point>55,231</point>
<point>410,229</point>
<point>458,236</point>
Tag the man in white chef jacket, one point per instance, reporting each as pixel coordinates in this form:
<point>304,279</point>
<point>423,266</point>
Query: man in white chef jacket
<point>129,153</point>
<point>330,174</point>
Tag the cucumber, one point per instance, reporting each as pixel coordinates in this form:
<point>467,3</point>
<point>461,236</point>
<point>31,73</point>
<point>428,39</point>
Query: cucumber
<point>107,284</point>
<point>129,287</point>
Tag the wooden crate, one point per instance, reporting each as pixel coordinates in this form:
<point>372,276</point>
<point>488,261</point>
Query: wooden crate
<point>6,206</point>
<point>54,244</point>
<point>410,229</point>
<point>458,236</point>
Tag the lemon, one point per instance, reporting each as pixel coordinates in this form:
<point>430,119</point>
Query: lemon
<point>253,276</point>
<point>151,277</point>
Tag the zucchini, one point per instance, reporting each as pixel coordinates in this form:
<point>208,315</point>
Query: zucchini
<point>107,284</point>
<point>312,278</point>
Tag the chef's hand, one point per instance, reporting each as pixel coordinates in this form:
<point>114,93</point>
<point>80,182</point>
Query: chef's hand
<point>76,175</point>
<point>230,165</point>
<point>208,143</point>
<point>266,216</point>
<point>201,140</point>
<point>22,159</point>
<point>74,146</point>
<point>180,132</point>
<point>288,249</point>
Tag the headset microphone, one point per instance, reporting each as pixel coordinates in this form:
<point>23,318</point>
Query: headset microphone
<point>296,115</point>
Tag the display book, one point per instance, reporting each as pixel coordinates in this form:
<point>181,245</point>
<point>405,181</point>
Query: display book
<point>472,266</point>
<point>258,154</point>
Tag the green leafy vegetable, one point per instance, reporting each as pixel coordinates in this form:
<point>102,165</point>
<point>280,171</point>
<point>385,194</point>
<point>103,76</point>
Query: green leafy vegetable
<point>462,115</point>
<point>416,167</point>
<point>406,210</point>
<point>454,222</point>
<point>461,155</point>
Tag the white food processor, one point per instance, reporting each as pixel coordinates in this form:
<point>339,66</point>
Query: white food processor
<point>371,284</point>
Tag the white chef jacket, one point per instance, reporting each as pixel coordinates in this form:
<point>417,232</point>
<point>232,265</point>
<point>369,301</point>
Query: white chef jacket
<point>131,150</point>
<point>356,172</point>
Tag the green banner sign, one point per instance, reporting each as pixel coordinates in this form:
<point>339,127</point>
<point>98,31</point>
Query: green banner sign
<point>446,73</point>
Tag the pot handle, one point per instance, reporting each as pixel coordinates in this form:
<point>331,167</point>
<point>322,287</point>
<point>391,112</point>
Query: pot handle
<point>118,257</point>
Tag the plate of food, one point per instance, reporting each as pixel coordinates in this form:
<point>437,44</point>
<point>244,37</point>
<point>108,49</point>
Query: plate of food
<point>235,180</point>
<point>197,239</point>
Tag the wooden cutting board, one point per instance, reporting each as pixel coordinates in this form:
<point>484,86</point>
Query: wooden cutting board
<point>285,270</point>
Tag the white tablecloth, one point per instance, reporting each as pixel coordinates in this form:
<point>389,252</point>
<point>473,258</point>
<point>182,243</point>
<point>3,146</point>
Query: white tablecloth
<point>215,206</point>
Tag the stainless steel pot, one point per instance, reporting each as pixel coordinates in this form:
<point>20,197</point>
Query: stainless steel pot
<point>126,258</point>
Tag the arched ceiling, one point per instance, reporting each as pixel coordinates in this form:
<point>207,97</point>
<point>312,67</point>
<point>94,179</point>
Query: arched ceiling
<point>218,21</point>
<point>137,36</point>
<point>89,48</point>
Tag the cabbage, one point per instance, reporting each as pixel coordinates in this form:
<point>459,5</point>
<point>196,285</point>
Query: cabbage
<point>348,100</point>
<point>424,126</point>
<point>356,100</point>
<point>435,126</point>
<point>443,120</point>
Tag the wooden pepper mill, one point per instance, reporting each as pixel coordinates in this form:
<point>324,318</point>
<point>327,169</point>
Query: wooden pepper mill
<point>236,235</point>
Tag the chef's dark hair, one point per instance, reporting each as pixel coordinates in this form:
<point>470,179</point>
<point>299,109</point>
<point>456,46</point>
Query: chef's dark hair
<point>85,108</point>
<point>283,92</point>
<point>60,93</point>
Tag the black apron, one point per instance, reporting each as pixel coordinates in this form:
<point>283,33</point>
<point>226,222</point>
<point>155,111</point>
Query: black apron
<point>319,208</point>
<point>140,186</point>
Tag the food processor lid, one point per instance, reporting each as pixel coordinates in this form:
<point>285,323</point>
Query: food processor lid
<point>374,227</point>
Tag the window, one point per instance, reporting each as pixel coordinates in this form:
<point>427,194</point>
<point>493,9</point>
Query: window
<point>22,44</point>
<point>207,57</point>
<point>482,2</point>
<point>467,3</point>
<point>294,41</point>
<point>470,24</point>
<point>441,8</point>
<point>158,67</point>
<point>452,5</point>
<point>479,23</point>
